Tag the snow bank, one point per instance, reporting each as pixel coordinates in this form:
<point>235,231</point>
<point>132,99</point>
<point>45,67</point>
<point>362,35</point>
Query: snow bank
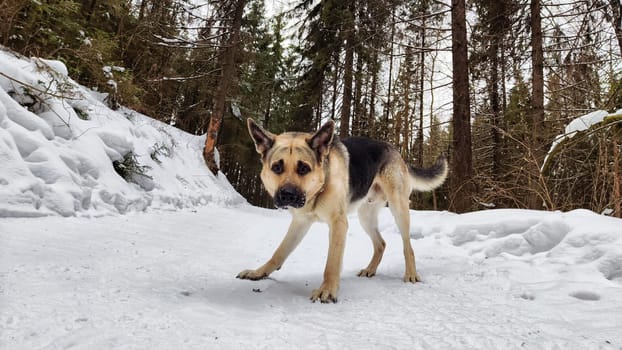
<point>579,238</point>
<point>58,142</point>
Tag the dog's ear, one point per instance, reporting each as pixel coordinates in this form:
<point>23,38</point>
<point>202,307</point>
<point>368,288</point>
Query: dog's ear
<point>322,139</point>
<point>263,139</point>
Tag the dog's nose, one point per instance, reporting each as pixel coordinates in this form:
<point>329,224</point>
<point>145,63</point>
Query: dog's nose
<point>289,196</point>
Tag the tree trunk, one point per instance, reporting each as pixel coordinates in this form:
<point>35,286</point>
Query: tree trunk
<point>141,12</point>
<point>495,108</point>
<point>432,141</point>
<point>346,104</point>
<point>617,197</point>
<point>227,75</point>
<point>268,111</point>
<point>537,102</point>
<point>400,124</point>
<point>121,24</point>
<point>537,77</point>
<point>359,109</point>
<point>421,95</point>
<point>90,10</point>
<point>504,103</point>
<point>616,9</point>
<point>388,106</point>
<point>371,119</point>
<point>317,120</point>
<point>461,162</point>
<point>335,87</point>
<point>358,87</point>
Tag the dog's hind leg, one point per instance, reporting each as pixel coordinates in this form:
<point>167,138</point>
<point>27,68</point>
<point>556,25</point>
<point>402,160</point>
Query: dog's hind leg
<point>297,230</point>
<point>368,217</point>
<point>398,203</point>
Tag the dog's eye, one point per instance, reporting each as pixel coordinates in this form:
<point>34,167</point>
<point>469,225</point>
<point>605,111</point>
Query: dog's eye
<point>277,167</point>
<point>303,168</point>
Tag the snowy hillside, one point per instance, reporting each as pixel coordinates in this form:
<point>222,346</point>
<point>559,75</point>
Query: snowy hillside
<point>58,143</point>
<point>498,279</point>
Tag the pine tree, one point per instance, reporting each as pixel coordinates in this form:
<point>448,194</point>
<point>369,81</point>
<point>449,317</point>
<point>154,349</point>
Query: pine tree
<point>228,74</point>
<point>461,162</point>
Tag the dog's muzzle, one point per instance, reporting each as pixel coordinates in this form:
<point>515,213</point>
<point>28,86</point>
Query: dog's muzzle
<point>289,196</point>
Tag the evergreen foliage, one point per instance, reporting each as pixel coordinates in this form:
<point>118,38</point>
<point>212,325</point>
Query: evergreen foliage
<point>376,67</point>
<point>129,168</point>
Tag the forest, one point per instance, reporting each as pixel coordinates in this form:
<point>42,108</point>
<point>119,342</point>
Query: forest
<point>490,83</point>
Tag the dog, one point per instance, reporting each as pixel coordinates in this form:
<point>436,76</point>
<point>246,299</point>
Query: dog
<point>319,177</point>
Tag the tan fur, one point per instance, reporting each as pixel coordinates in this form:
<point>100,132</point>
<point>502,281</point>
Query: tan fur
<point>328,200</point>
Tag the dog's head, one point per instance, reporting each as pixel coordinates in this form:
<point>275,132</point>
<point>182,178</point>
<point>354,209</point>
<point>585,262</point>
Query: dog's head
<point>293,163</point>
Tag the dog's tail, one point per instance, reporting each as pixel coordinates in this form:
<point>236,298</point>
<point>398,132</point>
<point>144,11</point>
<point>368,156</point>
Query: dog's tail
<point>427,179</point>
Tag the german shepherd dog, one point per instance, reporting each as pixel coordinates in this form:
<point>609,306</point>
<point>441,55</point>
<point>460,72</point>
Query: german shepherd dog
<point>321,178</point>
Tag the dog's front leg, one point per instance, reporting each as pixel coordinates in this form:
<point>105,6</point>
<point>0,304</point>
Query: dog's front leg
<point>337,240</point>
<point>297,230</point>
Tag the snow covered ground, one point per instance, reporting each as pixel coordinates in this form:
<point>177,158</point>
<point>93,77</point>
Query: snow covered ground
<point>498,279</point>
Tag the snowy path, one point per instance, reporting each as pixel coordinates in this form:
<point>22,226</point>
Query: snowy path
<point>165,280</point>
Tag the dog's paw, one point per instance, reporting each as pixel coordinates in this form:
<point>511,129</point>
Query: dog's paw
<point>412,277</point>
<point>367,273</point>
<point>253,275</point>
<point>327,293</point>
